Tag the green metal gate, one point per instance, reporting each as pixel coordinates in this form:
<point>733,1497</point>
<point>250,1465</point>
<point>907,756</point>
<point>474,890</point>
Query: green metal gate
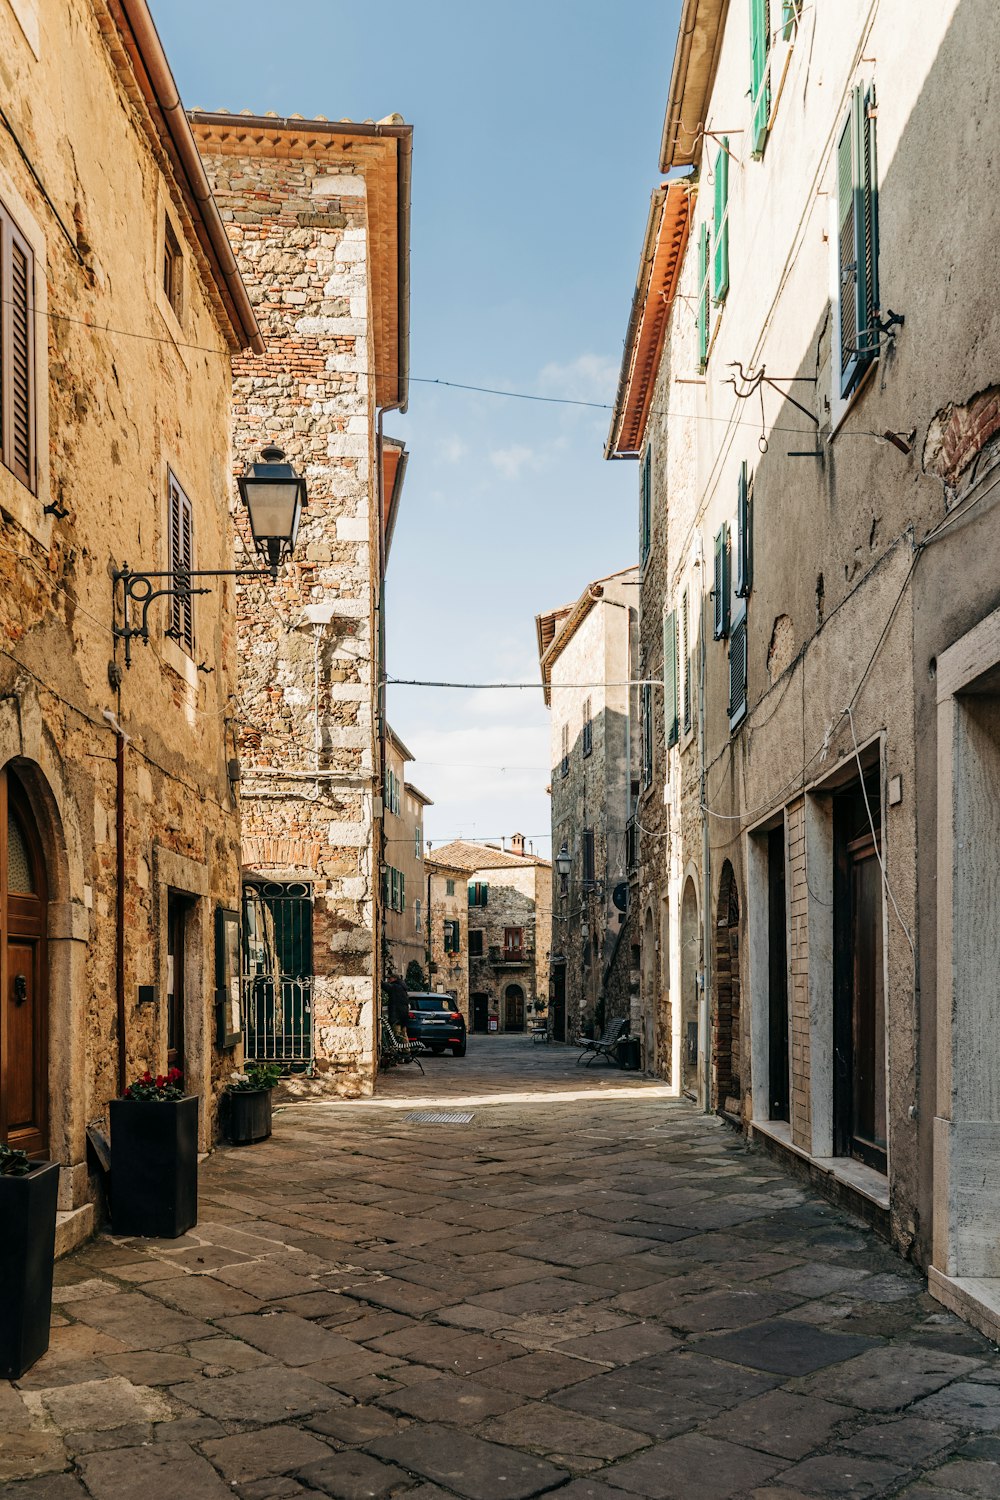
<point>278,972</point>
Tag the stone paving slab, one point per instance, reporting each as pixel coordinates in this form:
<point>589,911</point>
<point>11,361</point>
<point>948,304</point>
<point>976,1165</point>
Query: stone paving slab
<point>603,1295</point>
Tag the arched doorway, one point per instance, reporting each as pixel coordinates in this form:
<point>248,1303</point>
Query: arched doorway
<point>24,991</point>
<point>513,1008</point>
<point>727,994</point>
<point>690,994</point>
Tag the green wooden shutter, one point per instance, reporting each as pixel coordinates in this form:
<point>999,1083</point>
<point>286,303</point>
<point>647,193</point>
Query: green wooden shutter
<point>484,894</point>
<point>646,504</point>
<point>866,219</point>
<point>720,265</point>
<point>744,537</point>
<point>720,589</point>
<point>704,310</point>
<point>686,658</point>
<point>671,726</point>
<point>847,277</point>
<point>738,672</point>
<point>789,17</point>
<point>760,77</point>
<point>402,891</point>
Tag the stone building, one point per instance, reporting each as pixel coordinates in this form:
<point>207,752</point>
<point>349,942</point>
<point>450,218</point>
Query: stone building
<point>509,898</point>
<point>447,931</point>
<point>814,407</point>
<point>318,215</point>
<point>118,818</point>
<point>585,653</point>
<point>403,880</point>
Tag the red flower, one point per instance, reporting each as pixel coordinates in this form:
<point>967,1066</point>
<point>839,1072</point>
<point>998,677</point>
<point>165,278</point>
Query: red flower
<point>160,1080</point>
<point>128,1094</point>
<point>147,1077</point>
<point>175,1075</point>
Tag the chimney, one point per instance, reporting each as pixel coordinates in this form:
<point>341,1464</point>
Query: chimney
<point>517,843</point>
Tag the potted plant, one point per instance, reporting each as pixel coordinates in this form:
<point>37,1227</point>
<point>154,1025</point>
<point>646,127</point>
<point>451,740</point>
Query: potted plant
<point>154,1157</point>
<point>28,1192</point>
<point>247,1107</point>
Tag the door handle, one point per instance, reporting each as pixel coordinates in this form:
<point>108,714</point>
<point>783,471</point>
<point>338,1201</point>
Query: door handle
<point>20,989</point>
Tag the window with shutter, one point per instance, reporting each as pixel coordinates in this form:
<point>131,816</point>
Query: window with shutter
<point>686,659</point>
<point>588,727</point>
<point>646,505</point>
<point>720,227</point>
<point>180,541</point>
<point>738,672</point>
<point>402,891</point>
<point>17,351</point>
<point>484,894</point>
<point>704,308</point>
<point>744,535</point>
<point>564,765</point>
<point>760,74</point>
<point>857,240</point>
<point>670,724</point>
<point>476,943</point>
<point>720,584</point>
<point>449,888</point>
<point>588,856</point>
<point>173,268</point>
<point>791,12</point>
<point>647,734</point>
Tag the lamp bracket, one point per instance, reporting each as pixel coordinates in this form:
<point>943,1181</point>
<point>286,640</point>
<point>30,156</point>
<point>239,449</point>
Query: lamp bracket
<point>138,591</point>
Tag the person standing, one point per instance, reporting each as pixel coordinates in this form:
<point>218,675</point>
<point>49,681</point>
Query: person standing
<point>398,1004</point>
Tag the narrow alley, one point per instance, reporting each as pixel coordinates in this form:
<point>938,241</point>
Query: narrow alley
<point>510,1276</point>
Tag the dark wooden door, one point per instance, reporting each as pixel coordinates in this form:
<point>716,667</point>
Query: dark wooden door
<point>513,1017</point>
<point>777,966</point>
<point>24,1083</point>
<point>859,994</point>
<point>480,1012</point>
<point>177,910</point>
<point>559,1003</point>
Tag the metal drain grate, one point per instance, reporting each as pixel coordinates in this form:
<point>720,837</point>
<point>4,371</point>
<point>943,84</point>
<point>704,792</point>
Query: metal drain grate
<point>437,1117</point>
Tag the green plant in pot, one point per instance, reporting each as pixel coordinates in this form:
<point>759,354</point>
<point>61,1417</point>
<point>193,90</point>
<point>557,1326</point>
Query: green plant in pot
<point>154,1157</point>
<point>28,1193</point>
<point>247,1103</point>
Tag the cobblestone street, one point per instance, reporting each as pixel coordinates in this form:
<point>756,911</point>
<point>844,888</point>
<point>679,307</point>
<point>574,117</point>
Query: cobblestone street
<point>584,1288</point>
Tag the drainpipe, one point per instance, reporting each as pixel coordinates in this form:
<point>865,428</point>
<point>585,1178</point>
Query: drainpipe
<point>120,1034</point>
<point>705,1005</point>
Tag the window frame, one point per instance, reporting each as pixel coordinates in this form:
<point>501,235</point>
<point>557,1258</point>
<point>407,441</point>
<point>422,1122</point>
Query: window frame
<point>720,225</point>
<point>704,301</point>
<point>646,701</point>
<point>671,702</point>
<point>588,727</point>
<point>646,506</point>
<point>564,763</point>
<point>760,87</point>
<point>180,544</point>
<point>479,934</point>
<point>721,583</point>
<point>172,268</point>
<point>13,240</point>
<point>587,858</point>
<point>858,129</point>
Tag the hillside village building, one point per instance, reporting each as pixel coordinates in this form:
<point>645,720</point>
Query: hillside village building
<point>585,654</point>
<point>810,389</point>
<point>403,879</point>
<point>318,215</point>
<point>447,929</point>
<point>119,833</point>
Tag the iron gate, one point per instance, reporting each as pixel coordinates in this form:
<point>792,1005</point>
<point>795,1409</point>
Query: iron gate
<point>277,972</point>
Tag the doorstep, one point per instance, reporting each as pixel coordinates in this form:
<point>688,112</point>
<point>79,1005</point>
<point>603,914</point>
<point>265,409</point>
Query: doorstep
<point>974,1298</point>
<point>848,1183</point>
<point>74,1226</point>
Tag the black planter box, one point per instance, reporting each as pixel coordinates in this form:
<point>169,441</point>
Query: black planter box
<point>154,1167</point>
<point>27,1254</point>
<point>247,1116</point>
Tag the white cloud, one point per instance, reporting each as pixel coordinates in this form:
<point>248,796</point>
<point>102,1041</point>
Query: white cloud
<point>513,460</point>
<point>452,449</point>
<point>589,377</point>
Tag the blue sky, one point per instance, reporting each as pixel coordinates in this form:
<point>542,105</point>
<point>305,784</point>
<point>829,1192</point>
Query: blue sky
<point>536,134</point>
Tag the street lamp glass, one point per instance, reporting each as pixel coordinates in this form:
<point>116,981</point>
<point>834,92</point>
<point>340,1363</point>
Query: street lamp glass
<point>274,496</point>
<point>563,861</point>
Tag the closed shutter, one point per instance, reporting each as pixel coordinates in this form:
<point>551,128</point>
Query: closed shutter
<point>720,264</point>
<point>704,311</point>
<point>484,894</point>
<point>181,548</point>
<point>17,360</point>
<point>720,590</point>
<point>857,238</point>
<point>760,76</point>
<point>670,724</point>
<point>847,270</point>
<point>686,659</point>
<point>402,891</point>
<point>744,537</point>
<point>789,17</point>
<point>866,218</point>
<point>646,505</point>
<point>738,672</point>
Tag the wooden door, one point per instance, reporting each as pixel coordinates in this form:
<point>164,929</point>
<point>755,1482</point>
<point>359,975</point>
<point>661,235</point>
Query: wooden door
<point>480,1012</point>
<point>514,1009</point>
<point>559,1003</point>
<point>177,909</point>
<point>859,995</point>
<point>24,1082</point>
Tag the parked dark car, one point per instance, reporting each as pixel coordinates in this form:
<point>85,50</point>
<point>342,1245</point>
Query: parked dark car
<point>436,1021</point>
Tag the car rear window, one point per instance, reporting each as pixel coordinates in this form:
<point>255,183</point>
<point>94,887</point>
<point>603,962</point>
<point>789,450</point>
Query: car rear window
<point>431,1002</point>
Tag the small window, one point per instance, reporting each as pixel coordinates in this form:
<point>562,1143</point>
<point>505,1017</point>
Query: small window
<point>452,942</point>
<point>760,75</point>
<point>476,942</point>
<point>744,535</point>
<point>479,893</point>
<point>857,243</point>
<point>513,943</point>
<point>564,764</point>
<point>738,672</point>
<point>588,728</point>
<point>720,226</point>
<point>17,351</point>
<point>588,856</point>
<point>670,716</point>
<point>686,658</point>
<point>647,734</point>
<point>646,505</point>
<point>418,840</point>
<point>180,542</point>
<point>173,268</point>
<point>449,888</point>
<point>704,296</point>
<point>720,584</point>
<point>417,918</point>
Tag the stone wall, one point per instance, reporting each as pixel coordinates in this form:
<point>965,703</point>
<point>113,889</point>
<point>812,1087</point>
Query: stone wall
<point>300,231</point>
<point>517,898</point>
<point>449,971</point>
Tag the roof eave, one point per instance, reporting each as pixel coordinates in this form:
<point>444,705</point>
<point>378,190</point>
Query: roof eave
<point>696,57</point>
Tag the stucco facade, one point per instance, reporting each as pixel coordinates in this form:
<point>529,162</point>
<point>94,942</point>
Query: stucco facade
<point>120,820</point>
<point>586,663</point>
<point>447,931</point>
<point>802,800</point>
<point>318,216</point>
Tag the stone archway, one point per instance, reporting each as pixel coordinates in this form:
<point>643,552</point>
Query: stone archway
<point>726,1040</point>
<point>690,990</point>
